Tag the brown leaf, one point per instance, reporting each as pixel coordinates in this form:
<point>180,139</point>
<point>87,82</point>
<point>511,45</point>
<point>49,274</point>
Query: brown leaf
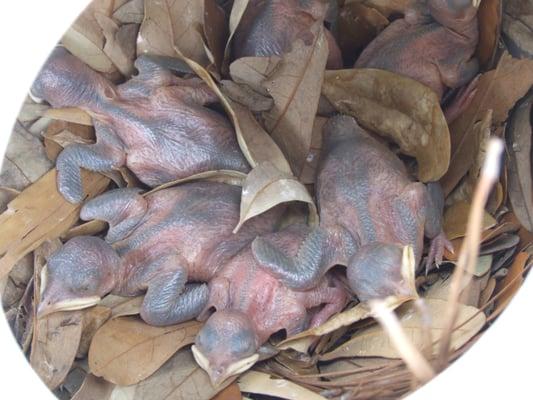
<point>141,347</point>
<point>490,20</point>
<point>374,342</point>
<point>57,336</point>
<point>498,90</point>
<point>520,188</point>
<point>122,306</point>
<point>246,96</point>
<point>130,13</point>
<point>85,40</point>
<point>180,378</point>
<point>508,289</point>
<point>261,383</point>
<point>90,228</point>
<point>361,311</point>
<point>25,160</point>
<point>232,392</point>
<point>308,175</point>
<point>237,11</point>
<point>216,31</point>
<point>295,87</point>
<point>93,319</point>
<point>256,146</point>
<point>6,196</point>
<point>120,43</point>
<point>265,187</point>
<point>169,23</point>
<point>358,25</point>
<point>38,214</point>
<point>60,134</point>
<point>456,217</point>
<point>225,176</point>
<point>396,107</point>
<point>74,115</point>
<point>94,388</point>
<point>486,294</point>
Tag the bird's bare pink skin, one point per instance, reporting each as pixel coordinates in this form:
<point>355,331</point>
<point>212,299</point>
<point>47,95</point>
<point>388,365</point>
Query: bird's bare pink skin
<point>369,209</point>
<point>434,45</point>
<point>157,124</point>
<point>252,304</point>
<point>270,27</point>
<point>165,244</point>
<point>365,193</point>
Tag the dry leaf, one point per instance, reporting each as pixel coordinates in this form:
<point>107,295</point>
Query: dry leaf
<point>486,294</point>
<point>261,383</point>
<point>57,336</point>
<point>237,11</point>
<point>141,347</point>
<point>235,178</point>
<point>130,13</point>
<point>250,142</point>
<point>294,84</point>
<point>94,388</point>
<point>38,214</point>
<point>489,20</point>
<point>120,43</point>
<point>93,319</point>
<point>90,228</point>
<point>246,96</point>
<point>122,306</point>
<point>25,160</point>
<point>517,28</point>
<point>374,342</point>
<point>516,272</point>
<point>456,217</point>
<point>482,133</point>
<point>74,115</point>
<point>361,311</point>
<point>308,175</point>
<point>85,40</point>
<point>358,25</point>
<point>180,378</point>
<point>498,90</point>
<point>31,111</point>
<point>397,107</point>
<point>265,187</point>
<point>216,31</point>
<point>169,23</point>
<point>232,392</point>
<point>60,134</point>
<point>520,187</point>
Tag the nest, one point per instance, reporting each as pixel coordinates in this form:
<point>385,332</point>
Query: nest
<point>371,350</point>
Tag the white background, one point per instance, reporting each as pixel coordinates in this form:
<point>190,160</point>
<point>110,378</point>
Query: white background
<point>497,367</point>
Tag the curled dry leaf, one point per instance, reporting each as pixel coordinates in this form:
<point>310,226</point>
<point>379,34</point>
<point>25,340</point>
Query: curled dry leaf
<point>74,115</point>
<point>490,21</point>
<point>38,214</point>
<point>246,96</point>
<point>261,383</point>
<point>225,176</point>
<point>120,43</point>
<point>358,25</point>
<point>25,160</point>
<point>481,133</point>
<point>140,347</point>
<point>90,228</point>
<point>180,378</point>
<point>93,319</point>
<point>60,134</point>
<point>294,84</point>
<point>173,23</point>
<point>396,107</point>
<point>130,13</point>
<point>520,187</point>
<point>215,31</point>
<point>237,11</point>
<point>122,306</point>
<point>86,41</point>
<point>374,342</point>
<point>57,336</point>
<point>498,90</point>
<point>94,388</point>
<point>256,145</point>
<point>265,187</point>
<point>456,218</point>
<point>301,341</point>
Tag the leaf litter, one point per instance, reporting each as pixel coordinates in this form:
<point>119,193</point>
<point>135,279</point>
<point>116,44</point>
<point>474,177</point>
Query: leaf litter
<point>273,104</point>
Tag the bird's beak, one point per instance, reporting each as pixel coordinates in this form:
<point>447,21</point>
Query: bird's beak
<point>219,375</point>
<point>53,301</point>
<point>45,308</point>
